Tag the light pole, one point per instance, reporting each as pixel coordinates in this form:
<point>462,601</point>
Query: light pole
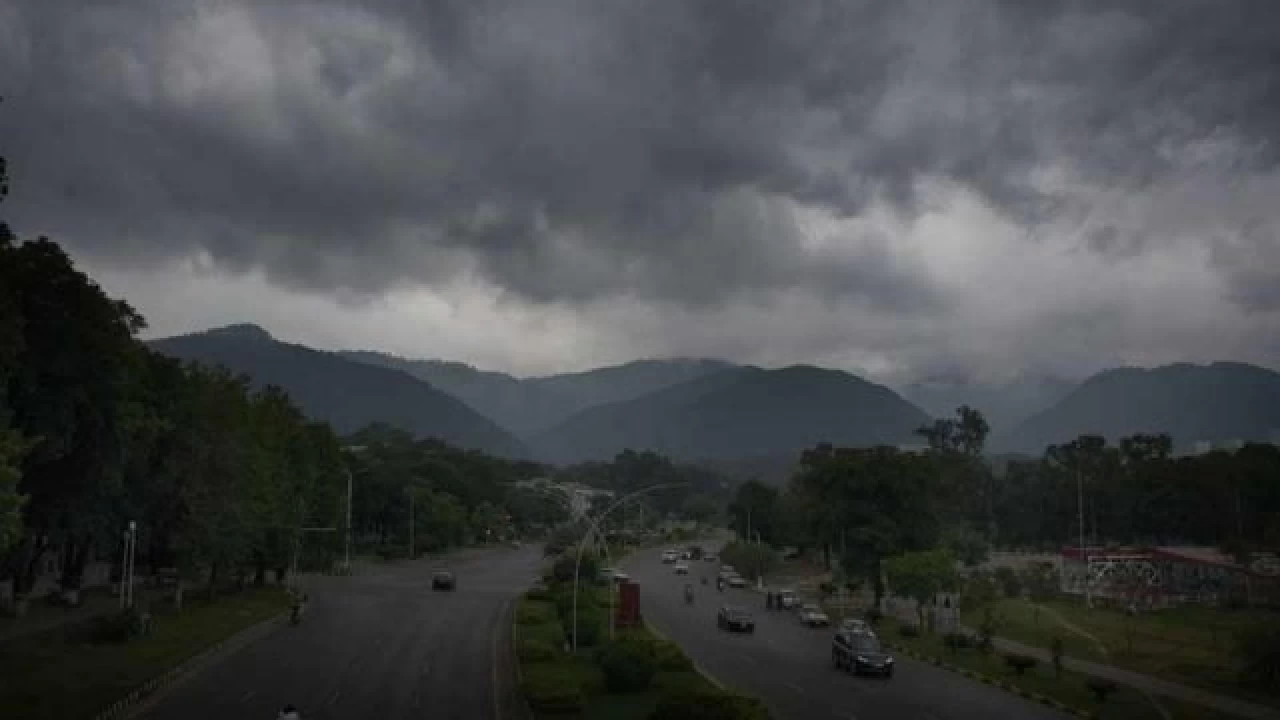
<point>346,556</point>
<point>410,491</point>
<point>126,565</point>
<point>592,524</point>
<point>1084,553</point>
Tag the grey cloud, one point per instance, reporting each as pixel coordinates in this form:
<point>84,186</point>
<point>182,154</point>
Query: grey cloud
<point>657,150</point>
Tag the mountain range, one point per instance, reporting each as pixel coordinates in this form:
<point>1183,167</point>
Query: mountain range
<point>745,418</point>
<point>348,395</point>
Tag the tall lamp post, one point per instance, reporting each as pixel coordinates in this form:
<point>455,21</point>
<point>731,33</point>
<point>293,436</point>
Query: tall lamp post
<point>592,528</point>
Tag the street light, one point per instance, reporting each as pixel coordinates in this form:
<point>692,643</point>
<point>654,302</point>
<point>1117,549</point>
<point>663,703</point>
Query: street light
<point>592,527</point>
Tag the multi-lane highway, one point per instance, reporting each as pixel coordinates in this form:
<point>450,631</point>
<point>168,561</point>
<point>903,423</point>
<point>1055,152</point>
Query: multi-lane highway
<point>379,644</point>
<point>788,665</point>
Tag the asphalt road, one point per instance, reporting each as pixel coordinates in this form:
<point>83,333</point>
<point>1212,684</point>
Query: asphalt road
<point>789,666</point>
<point>379,644</point>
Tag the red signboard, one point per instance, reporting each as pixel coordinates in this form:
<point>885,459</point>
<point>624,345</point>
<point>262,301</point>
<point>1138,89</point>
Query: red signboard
<point>628,605</point>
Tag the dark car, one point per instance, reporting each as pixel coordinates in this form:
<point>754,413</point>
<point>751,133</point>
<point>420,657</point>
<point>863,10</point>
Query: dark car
<point>860,653</point>
<point>443,580</point>
<point>735,619</point>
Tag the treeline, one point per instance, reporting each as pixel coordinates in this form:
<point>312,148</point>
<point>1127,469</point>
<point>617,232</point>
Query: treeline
<point>223,480</point>
<point>690,492</point>
<point>862,506</point>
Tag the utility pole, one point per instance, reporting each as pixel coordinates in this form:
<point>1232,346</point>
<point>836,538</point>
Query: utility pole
<point>410,491</point>
<point>346,561</point>
<point>1084,553</point>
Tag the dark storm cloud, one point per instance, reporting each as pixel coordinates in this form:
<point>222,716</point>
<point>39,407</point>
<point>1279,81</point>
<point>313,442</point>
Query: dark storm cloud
<point>573,150</point>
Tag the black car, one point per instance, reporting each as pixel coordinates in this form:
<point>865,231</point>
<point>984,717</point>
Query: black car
<point>443,580</point>
<point>735,619</point>
<point>860,653</point>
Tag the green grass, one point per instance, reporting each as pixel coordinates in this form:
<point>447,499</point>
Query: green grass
<point>58,674</point>
<point>1068,689</point>
<point>1188,644</point>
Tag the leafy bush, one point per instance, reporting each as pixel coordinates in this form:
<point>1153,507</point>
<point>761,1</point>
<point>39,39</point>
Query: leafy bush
<point>533,649</point>
<point>670,657</point>
<point>1258,649</point>
<point>591,625</point>
<point>535,613</point>
<point>119,626</point>
<point>958,640</point>
<point>562,570</point>
<point>908,631</point>
<point>553,689</point>
<point>1019,663</point>
<point>539,594</point>
<point>708,704</point>
<point>873,616</point>
<point>1101,688</point>
<point>1009,581</point>
<point>628,663</point>
<point>1042,580</point>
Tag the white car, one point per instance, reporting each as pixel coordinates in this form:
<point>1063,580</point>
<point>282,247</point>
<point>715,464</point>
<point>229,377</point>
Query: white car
<point>856,625</point>
<point>787,599</point>
<point>670,556</point>
<point>682,568</point>
<point>736,581</point>
<point>813,616</point>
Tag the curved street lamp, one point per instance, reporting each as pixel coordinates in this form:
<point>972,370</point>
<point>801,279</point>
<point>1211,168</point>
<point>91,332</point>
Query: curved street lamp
<point>592,528</point>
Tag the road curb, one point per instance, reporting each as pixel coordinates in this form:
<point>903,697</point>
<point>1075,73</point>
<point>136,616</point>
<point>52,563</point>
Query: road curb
<point>697,668</point>
<point>126,706</point>
<point>523,710</point>
<point>996,682</point>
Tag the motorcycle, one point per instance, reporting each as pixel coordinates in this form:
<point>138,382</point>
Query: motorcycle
<point>688,594</point>
<point>295,612</point>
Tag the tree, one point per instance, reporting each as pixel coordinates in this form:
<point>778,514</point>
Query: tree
<point>921,576</point>
<point>12,449</point>
<point>754,512</point>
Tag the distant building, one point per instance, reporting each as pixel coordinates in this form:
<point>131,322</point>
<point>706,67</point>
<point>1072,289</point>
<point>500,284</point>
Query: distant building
<point>1162,576</point>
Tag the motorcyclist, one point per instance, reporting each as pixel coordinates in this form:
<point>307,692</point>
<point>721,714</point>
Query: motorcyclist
<point>688,593</point>
<point>289,713</point>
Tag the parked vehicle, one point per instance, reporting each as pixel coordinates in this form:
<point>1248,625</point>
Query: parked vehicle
<point>682,568</point>
<point>443,580</point>
<point>735,619</point>
<point>736,581</point>
<point>856,625</point>
<point>860,653</point>
<point>670,556</point>
<point>787,599</point>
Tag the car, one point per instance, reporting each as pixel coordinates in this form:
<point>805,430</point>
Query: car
<point>682,568</point>
<point>735,619</point>
<point>443,580</point>
<point>686,555</point>
<point>727,568</point>
<point>710,558</point>
<point>736,581</point>
<point>670,556</point>
<point>813,616</point>
<point>787,599</point>
<point>856,625</point>
<point>620,577</point>
<point>860,654</point>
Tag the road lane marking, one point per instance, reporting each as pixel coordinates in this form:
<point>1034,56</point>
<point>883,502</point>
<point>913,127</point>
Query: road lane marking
<point>497,634</point>
<point>794,686</point>
<point>248,695</point>
<point>333,698</point>
<point>749,659</point>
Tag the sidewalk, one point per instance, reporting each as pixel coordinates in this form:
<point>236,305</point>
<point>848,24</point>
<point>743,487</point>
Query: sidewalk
<point>41,617</point>
<point>1147,683</point>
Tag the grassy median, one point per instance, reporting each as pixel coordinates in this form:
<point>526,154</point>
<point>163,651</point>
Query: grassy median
<point>64,674</point>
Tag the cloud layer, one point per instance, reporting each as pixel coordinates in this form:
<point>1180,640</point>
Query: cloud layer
<point>901,188</point>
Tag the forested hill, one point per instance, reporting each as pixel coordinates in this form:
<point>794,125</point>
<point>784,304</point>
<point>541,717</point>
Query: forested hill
<point>740,412</point>
<point>1191,403</point>
<point>347,394</point>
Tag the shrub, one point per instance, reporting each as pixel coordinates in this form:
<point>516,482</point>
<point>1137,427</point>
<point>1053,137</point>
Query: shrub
<point>536,650</point>
<point>120,626</point>
<point>553,690</point>
<point>873,616</point>
<point>908,631</point>
<point>628,664</point>
<point>957,640</point>
<point>708,704</point>
<point>1258,649</point>
<point>1009,581</point>
<point>591,625</point>
<point>1101,688</point>
<point>535,613</point>
<point>1019,663</point>
<point>539,594</point>
<point>670,657</point>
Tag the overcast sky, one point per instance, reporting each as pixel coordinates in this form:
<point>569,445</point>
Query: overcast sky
<point>902,189</point>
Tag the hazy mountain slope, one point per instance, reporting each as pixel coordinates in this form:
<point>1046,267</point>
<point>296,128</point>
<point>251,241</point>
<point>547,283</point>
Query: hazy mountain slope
<point>1222,401</point>
<point>739,412</point>
<point>1004,405</point>
<point>526,406</point>
<point>345,393</point>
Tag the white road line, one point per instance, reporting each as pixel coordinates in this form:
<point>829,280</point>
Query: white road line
<point>248,695</point>
<point>333,698</point>
<point>795,687</point>
<point>497,685</point>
